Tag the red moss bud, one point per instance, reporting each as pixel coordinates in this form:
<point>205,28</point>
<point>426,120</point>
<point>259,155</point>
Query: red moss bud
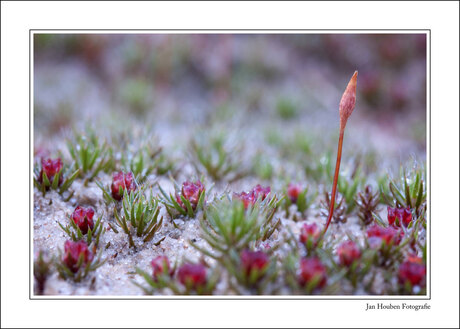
<point>312,269</point>
<point>293,192</point>
<point>254,264</point>
<point>50,168</point>
<point>192,275</point>
<point>191,191</point>
<point>161,266</point>
<point>73,251</point>
<point>348,252</point>
<point>413,273</point>
<point>83,218</point>
<point>404,216</point>
<point>250,198</point>
<point>309,234</point>
<point>120,182</point>
<point>389,235</point>
<point>260,192</point>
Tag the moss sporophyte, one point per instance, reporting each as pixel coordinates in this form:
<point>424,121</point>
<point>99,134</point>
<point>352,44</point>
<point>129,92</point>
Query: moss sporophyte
<point>346,107</point>
<point>139,216</point>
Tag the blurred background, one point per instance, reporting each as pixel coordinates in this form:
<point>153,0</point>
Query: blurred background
<point>262,88</point>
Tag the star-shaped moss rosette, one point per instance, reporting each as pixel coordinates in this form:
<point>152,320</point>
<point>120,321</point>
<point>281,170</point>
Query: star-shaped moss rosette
<point>229,227</point>
<point>138,217</point>
<point>53,175</point>
<point>90,155</point>
<point>407,192</point>
<point>142,160</point>
<point>78,261</point>
<point>186,200</point>
<point>218,157</point>
<point>165,164</point>
<point>264,202</point>
<point>82,226</point>
<point>230,230</point>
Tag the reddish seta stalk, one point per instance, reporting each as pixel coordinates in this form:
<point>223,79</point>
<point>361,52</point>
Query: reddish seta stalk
<point>346,107</point>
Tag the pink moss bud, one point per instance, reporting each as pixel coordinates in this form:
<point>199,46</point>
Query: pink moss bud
<point>73,251</point>
<point>312,269</point>
<point>192,275</point>
<point>309,234</point>
<point>293,192</point>
<point>413,273</point>
<point>245,197</point>
<point>191,191</point>
<point>348,101</point>
<point>254,264</point>
<point>50,168</point>
<point>250,198</point>
<point>348,253</point>
<point>122,182</point>
<point>260,192</point>
<point>388,235</point>
<point>161,266</point>
<point>404,216</point>
<point>83,218</point>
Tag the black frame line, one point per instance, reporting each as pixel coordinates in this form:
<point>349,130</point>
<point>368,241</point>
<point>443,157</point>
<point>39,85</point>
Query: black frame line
<point>253,30</point>
<point>219,297</point>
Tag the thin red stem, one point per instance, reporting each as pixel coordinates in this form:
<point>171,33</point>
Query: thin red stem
<point>336,177</point>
